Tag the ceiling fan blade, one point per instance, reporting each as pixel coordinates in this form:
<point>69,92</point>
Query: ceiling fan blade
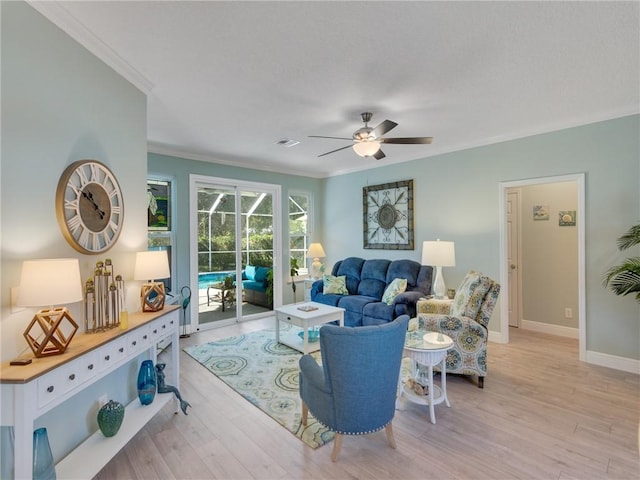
<point>336,138</point>
<point>333,151</point>
<point>406,140</point>
<point>383,128</point>
<point>379,155</point>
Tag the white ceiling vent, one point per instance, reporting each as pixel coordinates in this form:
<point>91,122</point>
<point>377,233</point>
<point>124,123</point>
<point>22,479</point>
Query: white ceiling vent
<point>287,142</point>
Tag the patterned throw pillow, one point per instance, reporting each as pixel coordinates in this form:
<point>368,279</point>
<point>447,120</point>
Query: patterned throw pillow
<point>395,288</point>
<point>336,285</point>
<point>470,295</point>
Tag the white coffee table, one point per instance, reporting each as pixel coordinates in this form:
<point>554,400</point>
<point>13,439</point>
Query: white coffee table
<point>427,349</point>
<point>293,315</point>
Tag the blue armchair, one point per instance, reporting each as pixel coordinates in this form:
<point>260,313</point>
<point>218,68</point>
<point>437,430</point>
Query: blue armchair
<point>354,392</point>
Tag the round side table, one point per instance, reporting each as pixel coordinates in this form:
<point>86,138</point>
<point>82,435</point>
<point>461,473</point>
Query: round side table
<point>427,349</point>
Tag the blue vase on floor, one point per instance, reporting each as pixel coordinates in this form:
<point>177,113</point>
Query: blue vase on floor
<point>43,466</point>
<point>147,382</point>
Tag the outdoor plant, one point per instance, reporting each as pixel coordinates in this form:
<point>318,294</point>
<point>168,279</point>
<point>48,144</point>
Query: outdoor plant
<point>293,271</point>
<point>269,287</point>
<point>624,279</point>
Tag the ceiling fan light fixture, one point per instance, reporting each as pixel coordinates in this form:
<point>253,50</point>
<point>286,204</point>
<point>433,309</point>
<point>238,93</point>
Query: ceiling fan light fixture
<point>366,148</point>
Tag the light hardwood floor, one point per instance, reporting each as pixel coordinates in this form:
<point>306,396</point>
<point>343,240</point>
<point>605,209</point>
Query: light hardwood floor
<point>543,414</point>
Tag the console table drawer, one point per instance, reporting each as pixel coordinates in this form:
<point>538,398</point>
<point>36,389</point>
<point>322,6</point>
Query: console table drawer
<point>112,353</point>
<point>61,381</point>
<point>139,340</point>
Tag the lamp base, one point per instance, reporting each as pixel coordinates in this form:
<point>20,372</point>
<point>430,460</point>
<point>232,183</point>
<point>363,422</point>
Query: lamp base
<point>152,296</point>
<point>316,269</point>
<point>439,288</point>
<point>50,322</point>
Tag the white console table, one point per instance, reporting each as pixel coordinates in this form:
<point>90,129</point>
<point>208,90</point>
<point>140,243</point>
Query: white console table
<point>30,391</point>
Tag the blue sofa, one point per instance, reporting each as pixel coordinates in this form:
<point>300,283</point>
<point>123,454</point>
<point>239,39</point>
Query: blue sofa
<point>366,281</point>
<point>254,284</point>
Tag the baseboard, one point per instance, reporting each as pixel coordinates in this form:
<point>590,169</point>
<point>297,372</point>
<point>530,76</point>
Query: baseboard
<point>612,361</point>
<point>550,329</point>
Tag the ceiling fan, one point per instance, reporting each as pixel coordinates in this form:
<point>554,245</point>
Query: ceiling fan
<point>367,139</point>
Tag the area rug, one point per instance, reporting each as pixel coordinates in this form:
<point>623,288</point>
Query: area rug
<point>265,373</point>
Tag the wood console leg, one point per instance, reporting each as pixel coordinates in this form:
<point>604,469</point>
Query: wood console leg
<point>480,382</point>
<point>305,412</point>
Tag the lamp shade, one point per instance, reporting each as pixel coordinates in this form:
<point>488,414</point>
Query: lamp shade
<point>438,253</point>
<point>366,148</point>
<point>48,282</point>
<point>316,251</point>
<point>151,265</point>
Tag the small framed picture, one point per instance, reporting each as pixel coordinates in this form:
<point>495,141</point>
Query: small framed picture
<point>159,205</point>
<point>567,218</point>
<point>540,212</point>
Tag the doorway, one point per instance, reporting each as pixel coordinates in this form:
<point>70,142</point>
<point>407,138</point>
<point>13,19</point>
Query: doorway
<point>505,265</point>
<point>234,248</point>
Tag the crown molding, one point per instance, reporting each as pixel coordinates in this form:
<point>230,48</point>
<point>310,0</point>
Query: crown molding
<point>163,149</point>
<point>61,17</point>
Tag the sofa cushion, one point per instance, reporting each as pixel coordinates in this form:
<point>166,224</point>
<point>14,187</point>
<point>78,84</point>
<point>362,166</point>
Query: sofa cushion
<point>250,272</point>
<point>351,268</point>
<point>261,274</point>
<point>396,287</point>
<point>253,285</point>
<point>376,313</point>
<point>373,278</point>
<point>408,269</point>
<point>470,295</point>
<point>334,285</point>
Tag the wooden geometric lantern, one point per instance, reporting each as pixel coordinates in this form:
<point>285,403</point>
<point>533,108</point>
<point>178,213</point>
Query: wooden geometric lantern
<point>50,323</point>
<point>152,296</point>
<point>50,282</point>
<point>152,265</point>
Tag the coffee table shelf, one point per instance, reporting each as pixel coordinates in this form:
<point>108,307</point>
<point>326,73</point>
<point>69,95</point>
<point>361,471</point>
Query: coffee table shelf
<point>292,315</point>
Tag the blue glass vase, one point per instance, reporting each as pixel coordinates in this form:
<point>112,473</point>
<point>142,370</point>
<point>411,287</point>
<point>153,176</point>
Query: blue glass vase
<point>43,466</point>
<point>147,382</point>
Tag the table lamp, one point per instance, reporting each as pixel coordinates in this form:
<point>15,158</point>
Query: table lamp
<point>151,266</point>
<point>439,254</point>
<point>316,252</point>
<point>50,282</point>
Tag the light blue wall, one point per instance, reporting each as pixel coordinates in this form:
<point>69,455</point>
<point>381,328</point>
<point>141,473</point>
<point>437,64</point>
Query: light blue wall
<point>61,104</point>
<point>179,169</point>
<point>456,198</point>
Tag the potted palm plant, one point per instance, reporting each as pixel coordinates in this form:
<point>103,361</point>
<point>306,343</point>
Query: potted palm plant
<point>624,279</point>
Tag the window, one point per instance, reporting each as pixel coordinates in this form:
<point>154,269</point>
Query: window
<point>159,221</point>
<point>299,221</point>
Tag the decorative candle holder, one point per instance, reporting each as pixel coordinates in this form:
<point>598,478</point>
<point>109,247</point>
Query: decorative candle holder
<point>104,298</point>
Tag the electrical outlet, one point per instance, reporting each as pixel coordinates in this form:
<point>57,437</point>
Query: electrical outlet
<point>102,400</point>
<point>568,313</point>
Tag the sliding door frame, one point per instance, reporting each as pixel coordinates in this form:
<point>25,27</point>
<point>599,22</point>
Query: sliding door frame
<point>275,191</point>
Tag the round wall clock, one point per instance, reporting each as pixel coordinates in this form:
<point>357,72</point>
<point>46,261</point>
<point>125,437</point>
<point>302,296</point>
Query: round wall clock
<point>89,206</point>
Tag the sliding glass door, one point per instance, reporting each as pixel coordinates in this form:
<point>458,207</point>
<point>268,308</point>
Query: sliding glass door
<point>233,249</point>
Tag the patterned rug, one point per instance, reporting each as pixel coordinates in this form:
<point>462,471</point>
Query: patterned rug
<point>265,373</point>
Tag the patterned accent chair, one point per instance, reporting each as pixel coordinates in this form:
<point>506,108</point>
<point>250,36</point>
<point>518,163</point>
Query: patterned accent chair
<point>466,324</point>
<point>354,391</point>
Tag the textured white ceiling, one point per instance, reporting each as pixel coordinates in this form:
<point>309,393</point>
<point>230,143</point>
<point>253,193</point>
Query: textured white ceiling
<point>226,80</point>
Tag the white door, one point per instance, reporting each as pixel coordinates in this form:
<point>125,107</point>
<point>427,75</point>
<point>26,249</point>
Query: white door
<point>513,254</point>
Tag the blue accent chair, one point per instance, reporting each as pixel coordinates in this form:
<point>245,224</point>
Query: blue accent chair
<point>354,391</point>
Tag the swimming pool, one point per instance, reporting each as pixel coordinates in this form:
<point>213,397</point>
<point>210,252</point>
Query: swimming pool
<point>206,279</point>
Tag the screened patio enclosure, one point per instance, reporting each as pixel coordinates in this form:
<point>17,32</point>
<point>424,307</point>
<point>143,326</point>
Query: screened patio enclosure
<point>235,240</point>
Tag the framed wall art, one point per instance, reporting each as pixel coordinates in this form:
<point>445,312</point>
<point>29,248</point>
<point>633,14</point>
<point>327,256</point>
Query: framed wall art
<point>388,216</point>
<point>540,212</point>
<point>567,218</point>
<point>159,205</point>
